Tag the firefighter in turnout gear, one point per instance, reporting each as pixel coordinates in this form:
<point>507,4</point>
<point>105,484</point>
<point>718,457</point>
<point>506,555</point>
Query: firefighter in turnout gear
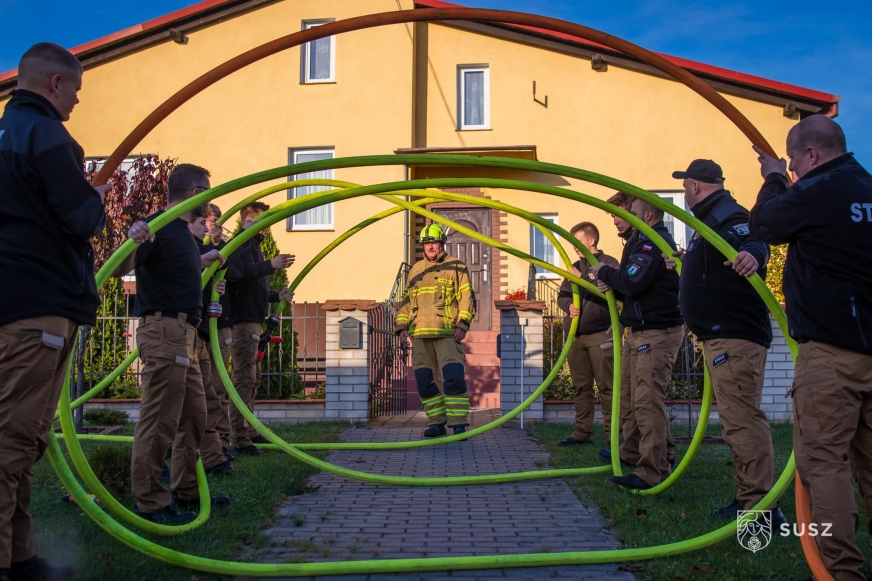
<point>436,313</point>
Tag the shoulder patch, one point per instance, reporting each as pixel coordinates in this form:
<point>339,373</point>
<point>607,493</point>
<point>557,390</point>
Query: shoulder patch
<point>720,359</point>
<point>647,248</point>
<point>742,229</point>
<point>644,347</point>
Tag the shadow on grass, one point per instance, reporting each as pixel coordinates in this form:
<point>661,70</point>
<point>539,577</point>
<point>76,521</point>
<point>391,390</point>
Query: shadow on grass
<point>683,512</point>
<point>65,535</point>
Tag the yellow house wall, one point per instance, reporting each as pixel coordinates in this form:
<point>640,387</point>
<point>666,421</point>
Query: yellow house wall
<point>621,123</point>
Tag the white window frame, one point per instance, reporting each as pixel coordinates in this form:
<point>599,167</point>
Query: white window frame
<point>683,232</point>
<point>292,192</point>
<point>461,92</point>
<point>305,73</point>
<point>556,261</point>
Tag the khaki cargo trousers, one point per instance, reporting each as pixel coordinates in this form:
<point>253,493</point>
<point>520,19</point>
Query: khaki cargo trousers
<point>225,336</point>
<point>246,378</point>
<point>832,437</point>
<point>590,358</point>
<point>210,448</point>
<point>650,445</point>
<point>33,362</point>
<point>736,368</point>
<point>173,411</point>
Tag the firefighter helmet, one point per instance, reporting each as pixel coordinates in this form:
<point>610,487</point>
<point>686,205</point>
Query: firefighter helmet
<point>432,233</point>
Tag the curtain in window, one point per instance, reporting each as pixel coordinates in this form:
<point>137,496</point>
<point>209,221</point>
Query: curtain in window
<point>473,98</point>
<point>322,216</point>
<point>319,59</point>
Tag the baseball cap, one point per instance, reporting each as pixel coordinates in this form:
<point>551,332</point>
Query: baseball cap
<point>701,170</point>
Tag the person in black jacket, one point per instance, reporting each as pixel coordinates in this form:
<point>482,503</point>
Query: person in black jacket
<point>826,218</point>
<point>650,295</point>
<point>591,353</point>
<point>48,214</point>
<point>724,311</point>
<point>248,277</point>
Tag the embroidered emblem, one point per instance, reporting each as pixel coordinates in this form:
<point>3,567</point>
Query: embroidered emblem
<point>720,359</point>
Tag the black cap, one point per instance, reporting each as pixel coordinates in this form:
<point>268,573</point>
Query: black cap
<point>701,170</point>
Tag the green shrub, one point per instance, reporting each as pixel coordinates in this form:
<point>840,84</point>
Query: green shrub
<point>111,464</point>
<point>104,417</point>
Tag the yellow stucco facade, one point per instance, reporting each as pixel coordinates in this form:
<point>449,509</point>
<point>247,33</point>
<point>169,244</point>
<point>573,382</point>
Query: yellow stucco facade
<point>624,123</point>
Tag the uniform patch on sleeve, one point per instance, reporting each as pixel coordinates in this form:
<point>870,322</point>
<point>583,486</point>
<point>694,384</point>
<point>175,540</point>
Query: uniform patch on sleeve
<point>634,268</point>
<point>742,229</point>
<point>644,347</point>
<point>720,359</point>
<point>647,248</point>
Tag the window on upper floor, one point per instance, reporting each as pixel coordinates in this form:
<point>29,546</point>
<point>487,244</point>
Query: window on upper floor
<point>473,97</point>
<point>320,218</point>
<point>318,58</point>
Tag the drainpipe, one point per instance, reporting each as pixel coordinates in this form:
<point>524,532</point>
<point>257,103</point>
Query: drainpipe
<point>833,111</point>
<point>406,221</point>
<point>523,323</point>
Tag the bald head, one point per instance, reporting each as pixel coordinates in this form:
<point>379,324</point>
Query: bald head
<point>50,70</point>
<point>813,142</point>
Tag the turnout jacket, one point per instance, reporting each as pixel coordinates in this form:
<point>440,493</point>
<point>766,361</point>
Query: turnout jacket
<point>826,218</point>
<point>438,299</point>
<point>716,302</point>
<point>48,213</point>
<point>648,289</point>
<point>594,316</point>
<point>247,277</point>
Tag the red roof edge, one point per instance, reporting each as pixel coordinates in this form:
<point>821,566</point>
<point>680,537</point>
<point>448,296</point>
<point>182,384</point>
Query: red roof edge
<point>127,32</point>
<point>697,67</point>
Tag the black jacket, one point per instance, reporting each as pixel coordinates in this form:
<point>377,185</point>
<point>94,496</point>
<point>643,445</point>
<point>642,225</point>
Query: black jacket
<point>826,218</point>
<point>248,282</point>
<point>594,316</point>
<point>648,289</point>
<point>48,214</point>
<point>715,301</point>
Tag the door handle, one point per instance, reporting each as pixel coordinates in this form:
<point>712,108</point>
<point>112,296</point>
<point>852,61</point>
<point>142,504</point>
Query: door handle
<point>484,273</point>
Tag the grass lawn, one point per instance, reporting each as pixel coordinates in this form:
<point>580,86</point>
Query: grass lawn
<point>65,535</point>
<point>682,512</point>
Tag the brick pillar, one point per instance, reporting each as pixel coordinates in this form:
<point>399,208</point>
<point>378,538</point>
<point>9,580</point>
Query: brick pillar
<point>347,373</point>
<point>778,378</point>
<point>521,320</point>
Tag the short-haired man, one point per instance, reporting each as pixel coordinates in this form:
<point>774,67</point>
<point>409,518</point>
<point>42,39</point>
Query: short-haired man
<point>650,295</point>
<point>48,212</point>
<point>724,311</point>
<point>436,312</point>
<point>591,355</point>
<point>826,218</point>
<point>248,274</point>
<point>173,409</point>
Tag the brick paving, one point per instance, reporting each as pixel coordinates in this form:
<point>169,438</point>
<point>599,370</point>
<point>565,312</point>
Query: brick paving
<point>349,520</point>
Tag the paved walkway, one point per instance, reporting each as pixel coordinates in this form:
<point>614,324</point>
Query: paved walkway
<point>348,520</point>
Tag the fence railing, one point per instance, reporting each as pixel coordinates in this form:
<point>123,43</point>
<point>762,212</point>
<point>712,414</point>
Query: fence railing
<point>295,368</point>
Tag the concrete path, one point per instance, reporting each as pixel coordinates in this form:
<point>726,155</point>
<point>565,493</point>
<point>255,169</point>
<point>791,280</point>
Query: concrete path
<point>348,520</point>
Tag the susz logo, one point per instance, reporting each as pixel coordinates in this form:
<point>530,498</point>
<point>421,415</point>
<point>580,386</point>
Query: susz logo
<point>754,529</point>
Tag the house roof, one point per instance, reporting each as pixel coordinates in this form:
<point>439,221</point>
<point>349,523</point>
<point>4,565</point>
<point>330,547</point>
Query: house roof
<point>207,11</point>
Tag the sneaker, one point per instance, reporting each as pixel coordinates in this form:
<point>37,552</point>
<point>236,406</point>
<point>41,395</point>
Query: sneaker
<point>37,568</point>
<point>730,512</point>
<point>249,450</point>
<point>164,477</point>
<point>258,439</point>
<point>435,430</point>
<point>606,456</point>
<point>224,469</point>
<point>570,441</point>
<point>459,428</point>
<point>227,455</point>
<point>167,516</point>
<point>631,481</point>
<point>194,505</point>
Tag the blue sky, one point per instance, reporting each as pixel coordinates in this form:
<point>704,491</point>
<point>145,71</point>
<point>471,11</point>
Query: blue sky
<point>812,44</point>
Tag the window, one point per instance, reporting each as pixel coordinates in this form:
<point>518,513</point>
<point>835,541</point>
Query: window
<point>681,233</point>
<point>473,97</point>
<point>318,58</point>
<point>320,218</point>
<point>542,249</point>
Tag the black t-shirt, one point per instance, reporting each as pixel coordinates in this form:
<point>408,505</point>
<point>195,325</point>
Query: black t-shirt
<point>168,272</point>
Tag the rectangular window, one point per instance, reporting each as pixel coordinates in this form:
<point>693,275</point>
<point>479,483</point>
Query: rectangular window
<point>542,249</point>
<point>320,218</point>
<point>318,58</point>
<point>473,97</point>
<point>681,233</point>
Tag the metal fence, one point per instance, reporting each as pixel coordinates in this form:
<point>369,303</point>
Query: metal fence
<point>293,369</point>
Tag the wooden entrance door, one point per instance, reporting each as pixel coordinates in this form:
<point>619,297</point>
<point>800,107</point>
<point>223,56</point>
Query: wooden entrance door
<point>477,257</point>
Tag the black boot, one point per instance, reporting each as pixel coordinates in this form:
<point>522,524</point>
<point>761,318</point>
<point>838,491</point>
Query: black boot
<point>167,516</point>
<point>38,569</point>
<point>224,469</point>
<point>249,450</point>
<point>459,428</point>
<point>258,439</point>
<point>227,455</point>
<point>435,430</point>
<point>730,511</point>
<point>192,505</point>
